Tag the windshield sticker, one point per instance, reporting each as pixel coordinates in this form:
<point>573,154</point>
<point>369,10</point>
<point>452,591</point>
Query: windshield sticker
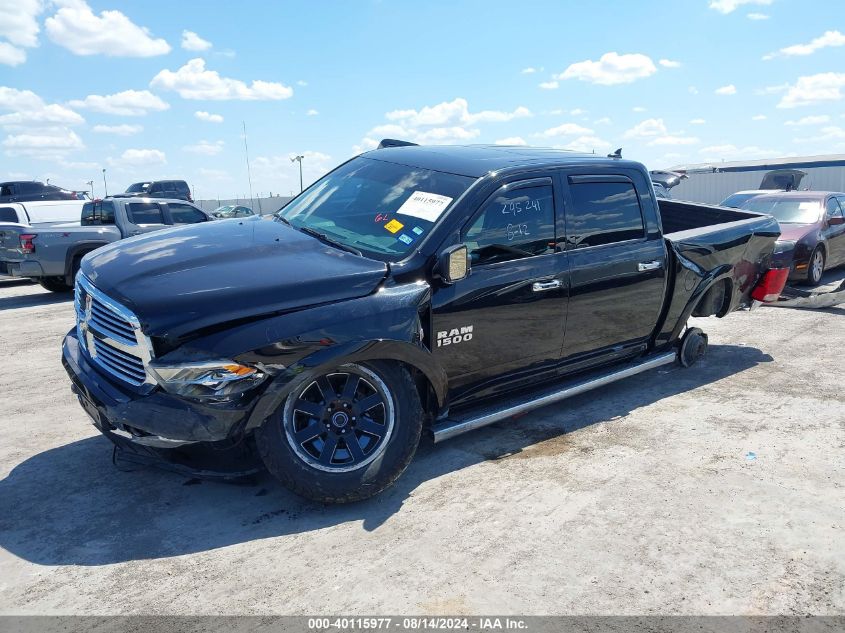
<point>423,205</point>
<point>808,205</point>
<point>418,230</point>
<point>381,217</point>
<point>394,226</point>
<point>407,239</point>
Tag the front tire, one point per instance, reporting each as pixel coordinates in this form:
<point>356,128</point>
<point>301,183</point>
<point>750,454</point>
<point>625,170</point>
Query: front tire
<point>55,284</point>
<point>344,435</point>
<point>815,269</point>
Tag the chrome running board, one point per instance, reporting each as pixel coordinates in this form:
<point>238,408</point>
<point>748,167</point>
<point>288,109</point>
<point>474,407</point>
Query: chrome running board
<point>449,428</point>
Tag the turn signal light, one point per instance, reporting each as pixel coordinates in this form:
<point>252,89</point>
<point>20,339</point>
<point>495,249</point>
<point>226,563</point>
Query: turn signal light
<point>768,289</point>
<point>27,246</point>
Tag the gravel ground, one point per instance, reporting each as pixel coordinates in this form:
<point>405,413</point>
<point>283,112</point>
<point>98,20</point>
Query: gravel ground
<point>718,489</point>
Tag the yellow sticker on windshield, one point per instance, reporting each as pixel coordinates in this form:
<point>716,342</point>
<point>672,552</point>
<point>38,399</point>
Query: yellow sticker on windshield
<point>393,226</point>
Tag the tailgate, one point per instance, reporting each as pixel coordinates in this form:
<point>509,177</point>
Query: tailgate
<point>10,243</point>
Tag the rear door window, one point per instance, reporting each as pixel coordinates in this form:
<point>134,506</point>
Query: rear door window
<point>144,213</point>
<point>603,211</point>
<point>513,224</point>
<point>185,214</point>
<point>8,214</point>
<point>98,212</point>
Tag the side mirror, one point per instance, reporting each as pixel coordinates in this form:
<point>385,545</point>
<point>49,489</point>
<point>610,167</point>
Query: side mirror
<point>453,263</point>
<point>836,220</point>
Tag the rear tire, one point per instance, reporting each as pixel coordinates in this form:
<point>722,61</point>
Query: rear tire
<point>55,284</point>
<point>344,435</point>
<point>815,268</point>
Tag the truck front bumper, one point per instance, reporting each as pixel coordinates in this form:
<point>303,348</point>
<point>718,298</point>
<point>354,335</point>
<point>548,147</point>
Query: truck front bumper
<point>157,419</point>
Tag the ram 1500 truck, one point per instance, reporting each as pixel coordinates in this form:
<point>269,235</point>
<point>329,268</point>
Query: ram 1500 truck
<point>51,254</point>
<point>411,289</point>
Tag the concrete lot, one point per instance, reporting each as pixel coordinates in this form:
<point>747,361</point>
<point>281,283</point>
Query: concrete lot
<point>713,490</point>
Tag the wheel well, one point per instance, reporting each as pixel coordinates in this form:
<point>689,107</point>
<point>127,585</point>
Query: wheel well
<point>428,397</point>
<point>716,301</point>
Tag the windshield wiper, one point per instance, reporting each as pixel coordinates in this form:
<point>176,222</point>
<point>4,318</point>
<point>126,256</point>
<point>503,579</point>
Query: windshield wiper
<point>327,240</point>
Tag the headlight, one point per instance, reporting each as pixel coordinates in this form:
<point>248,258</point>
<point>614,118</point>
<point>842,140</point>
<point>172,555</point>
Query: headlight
<point>784,246</point>
<point>222,379</point>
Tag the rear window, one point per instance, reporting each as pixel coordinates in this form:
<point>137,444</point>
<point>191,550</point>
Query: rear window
<point>603,213</point>
<point>144,213</point>
<point>8,214</point>
<point>99,212</point>
<point>138,187</point>
<point>185,214</point>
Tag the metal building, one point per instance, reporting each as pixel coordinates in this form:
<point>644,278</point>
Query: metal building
<point>713,182</point>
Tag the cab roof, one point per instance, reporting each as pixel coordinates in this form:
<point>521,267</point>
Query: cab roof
<point>475,161</point>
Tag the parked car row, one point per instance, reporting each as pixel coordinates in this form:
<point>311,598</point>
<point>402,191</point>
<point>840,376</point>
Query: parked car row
<point>31,190</point>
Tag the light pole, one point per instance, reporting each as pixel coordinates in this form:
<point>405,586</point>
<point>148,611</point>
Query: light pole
<point>105,186</point>
<point>90,183</point>
<point>298,159</point>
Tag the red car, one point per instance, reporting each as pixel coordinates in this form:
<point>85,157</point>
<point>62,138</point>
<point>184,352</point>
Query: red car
<point>812,227</point>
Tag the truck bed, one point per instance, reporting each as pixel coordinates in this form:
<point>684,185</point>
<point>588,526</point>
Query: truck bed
<point>707,243</point>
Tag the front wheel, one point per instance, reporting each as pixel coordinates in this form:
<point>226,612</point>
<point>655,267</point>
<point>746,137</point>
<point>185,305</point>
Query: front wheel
<point>815,269</point>
<point>55,284</point>
<point>344,435</point>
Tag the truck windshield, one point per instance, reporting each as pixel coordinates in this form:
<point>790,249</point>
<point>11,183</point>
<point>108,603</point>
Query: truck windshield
<point>787,210</point>
<point>378,208</point>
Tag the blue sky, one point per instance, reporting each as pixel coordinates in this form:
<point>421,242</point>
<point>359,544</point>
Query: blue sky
<point>150,89</point>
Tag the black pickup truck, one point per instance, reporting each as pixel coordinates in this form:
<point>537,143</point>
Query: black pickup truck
<point>411,289</point>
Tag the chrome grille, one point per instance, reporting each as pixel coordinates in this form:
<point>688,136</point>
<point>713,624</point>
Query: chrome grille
<point>111,335</point>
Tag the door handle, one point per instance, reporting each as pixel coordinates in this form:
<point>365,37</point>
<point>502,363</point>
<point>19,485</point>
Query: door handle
<point>655,265</point>
<point>543,286</point>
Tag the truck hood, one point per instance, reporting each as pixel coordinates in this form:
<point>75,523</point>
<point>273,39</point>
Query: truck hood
<point>182,280</point>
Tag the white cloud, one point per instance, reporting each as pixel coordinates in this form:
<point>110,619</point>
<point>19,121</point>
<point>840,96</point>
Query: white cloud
<point>567,129</point>
<point>139,158</point>
<point>647,129</point>
<point>549,85</point>
<point>20,21</point>
<point>119,130</point>
<point>668,63</point>
<point>674,139</point>
<point>28,109</point>
<point>193,42</point>
<point>588,144</point>
<point>11,55</point>
<point>809,120</point>
<point>638,109</point>
<point>455,111</point>
<point>729,151</point>
<point>193,81</point>
<point>312,112</point>
<point>511,140</point>
<point>759,117</point>
<point>729,6</point>
<point>697,122</point>
<point>47,144</point>
<point>301,82</point>
<point>75,27</point>
<point>578,112</point>
<point>206,148</point>
<point>757,16</point>
<point>611,69</point>
<point>208,117</point>
<point>603,121</point>
<point>730,89</point>
<point>126,103</point>
<point>814,89</point>
<point>692,90</point>
<point>528,71</point>
<point>772,90</point>
<point>829,39</point>
<point>828,134</point>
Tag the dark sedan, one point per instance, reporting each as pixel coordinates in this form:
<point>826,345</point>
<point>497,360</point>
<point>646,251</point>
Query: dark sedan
<point>812,230</point>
